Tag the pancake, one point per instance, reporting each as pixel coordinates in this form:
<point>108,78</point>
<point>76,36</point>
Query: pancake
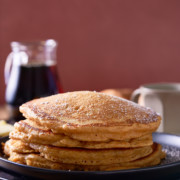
<point>25,132</point>
<point>90,157</point>
<point>39,161</point>
<point>123,93</point>
<point>85,130</point>
<point>17,146</point>
<point>91,116</point>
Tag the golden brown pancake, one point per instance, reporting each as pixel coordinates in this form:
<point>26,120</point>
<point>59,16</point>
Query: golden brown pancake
<point>85,130</point>
<point>91,157</point>
<point>25,132</point>
<point>17,146</point>
<point>123,93</point>
<point>36,160</point>
<point>91,116</point>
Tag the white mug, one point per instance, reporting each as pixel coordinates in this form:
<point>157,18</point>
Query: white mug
<point>164,98</point>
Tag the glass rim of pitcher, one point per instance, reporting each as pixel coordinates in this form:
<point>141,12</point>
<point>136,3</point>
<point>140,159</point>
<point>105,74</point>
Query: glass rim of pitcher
<point>46,43</point>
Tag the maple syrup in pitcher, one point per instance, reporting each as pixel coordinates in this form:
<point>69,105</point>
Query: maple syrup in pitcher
<point>33,74</point>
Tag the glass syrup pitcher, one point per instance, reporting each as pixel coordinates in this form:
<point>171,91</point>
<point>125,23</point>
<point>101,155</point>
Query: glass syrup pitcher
<point>30,72</point>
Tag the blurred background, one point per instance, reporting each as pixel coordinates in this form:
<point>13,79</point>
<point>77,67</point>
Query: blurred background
<point>102,43</point>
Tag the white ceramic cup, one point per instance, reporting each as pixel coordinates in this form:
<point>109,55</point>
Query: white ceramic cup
<point>164,98</point>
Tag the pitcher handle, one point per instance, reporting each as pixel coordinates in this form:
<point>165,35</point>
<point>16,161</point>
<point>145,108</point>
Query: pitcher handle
<point>135,95</point>
<point>7,67</point>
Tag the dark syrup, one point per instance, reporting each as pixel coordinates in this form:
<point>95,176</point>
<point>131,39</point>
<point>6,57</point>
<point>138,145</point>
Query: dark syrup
<point>28,82</point>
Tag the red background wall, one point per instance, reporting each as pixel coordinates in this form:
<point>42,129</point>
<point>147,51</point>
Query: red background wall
<point>102,43</point>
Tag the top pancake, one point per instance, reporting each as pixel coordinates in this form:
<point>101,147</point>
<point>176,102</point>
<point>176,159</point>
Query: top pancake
<point>86,115</point>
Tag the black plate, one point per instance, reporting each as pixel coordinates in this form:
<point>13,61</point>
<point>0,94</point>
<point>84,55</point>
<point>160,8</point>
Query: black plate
<point>168,169</point>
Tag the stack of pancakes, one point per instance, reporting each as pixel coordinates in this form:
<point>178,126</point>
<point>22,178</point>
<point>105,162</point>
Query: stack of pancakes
<point>85,130</point>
